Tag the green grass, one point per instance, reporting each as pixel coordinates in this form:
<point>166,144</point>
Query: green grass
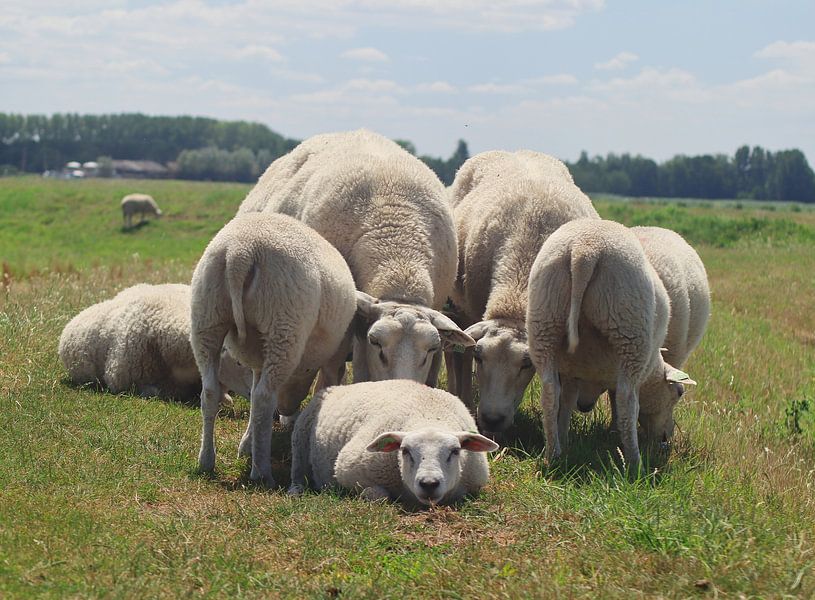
<point>99,495</point>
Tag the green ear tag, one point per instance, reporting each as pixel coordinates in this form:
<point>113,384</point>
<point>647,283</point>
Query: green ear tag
<point>458,348</point>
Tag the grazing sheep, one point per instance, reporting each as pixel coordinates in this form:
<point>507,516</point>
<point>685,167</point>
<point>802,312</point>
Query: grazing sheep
<point>140,204</point>
<point>598,312</point>
<point>281,298</point>
<point>386,212</point>
<point>140,339</point>
<point>505,206</point>
<point>347,435</point>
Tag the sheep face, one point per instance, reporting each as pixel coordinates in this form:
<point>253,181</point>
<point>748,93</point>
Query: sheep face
<point>503,370</point>
<point>658,397</point>
<point>399,341</point>
<point>234,376</point>
<point>430,459</point>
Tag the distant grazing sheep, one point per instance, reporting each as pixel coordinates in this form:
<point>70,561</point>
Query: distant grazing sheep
<point>387,214</point>
<point>281,299</point>
<point>505,205</point>
<point>389,439</point>
<point>140,204</point>
<point>599,312</point>
<point>140,340</point>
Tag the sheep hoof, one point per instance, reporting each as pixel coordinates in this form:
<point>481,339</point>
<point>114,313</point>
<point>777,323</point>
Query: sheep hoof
<point>262,477</point>
<point>206,462</point>
<point>295,489</point>
<point>245,447</point>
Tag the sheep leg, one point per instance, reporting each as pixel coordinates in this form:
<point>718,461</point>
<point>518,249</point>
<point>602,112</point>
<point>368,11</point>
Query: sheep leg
<point>211,395</point>
<point>245,446</point>
<point>360,362</point>
<point>449,367</point>
<point>613,404</point>
<point>263,404</point>
<point>435,367</point>
<point>464,374</point>
<point>333,372</point>
<point>568,402</point>
<point>550,403</point>
<point>628,409</point>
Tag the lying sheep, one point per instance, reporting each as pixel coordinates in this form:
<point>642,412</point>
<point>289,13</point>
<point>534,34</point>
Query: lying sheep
<point>348,436</point>
<point>598,312</point>
<point>386,212</point>
<point>281,298</point>
<point>140,339</point>
<point>505,206</point>
<point>140,204</point>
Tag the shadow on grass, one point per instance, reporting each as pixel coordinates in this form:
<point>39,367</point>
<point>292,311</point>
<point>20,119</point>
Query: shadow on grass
<point>592,450</point>
<point>238,409</point>
<point>135,227</point>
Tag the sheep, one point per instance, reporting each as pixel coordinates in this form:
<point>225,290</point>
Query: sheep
<point>141,204</point>
<point>140,339</point>
<point>347,436</point>
<point>683,274</point>
<point>592,277</point>
<point>505,206</point>
<point>281,299</point>
<point>386,213</point>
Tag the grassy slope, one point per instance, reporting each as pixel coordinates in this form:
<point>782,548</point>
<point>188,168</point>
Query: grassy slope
<point>99,494</point>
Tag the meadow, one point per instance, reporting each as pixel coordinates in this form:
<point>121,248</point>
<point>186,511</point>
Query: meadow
<point>99,494</point>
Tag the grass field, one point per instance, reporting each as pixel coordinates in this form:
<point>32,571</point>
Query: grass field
<point>99,494</point>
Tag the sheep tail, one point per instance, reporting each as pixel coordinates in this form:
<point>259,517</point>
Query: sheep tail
<point>239,268</point>
<point>582,268</point>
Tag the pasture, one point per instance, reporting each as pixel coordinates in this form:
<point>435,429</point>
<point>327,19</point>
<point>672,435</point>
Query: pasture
<point>99,494</point>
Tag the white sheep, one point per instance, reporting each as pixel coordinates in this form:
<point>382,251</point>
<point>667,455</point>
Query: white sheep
<point>281,299</point>
<point>348,436</point>
<point>141,204</point>
<point>505,206</point>
<point>386,212</point>
<point>598,312</point>
<point>140,340</point>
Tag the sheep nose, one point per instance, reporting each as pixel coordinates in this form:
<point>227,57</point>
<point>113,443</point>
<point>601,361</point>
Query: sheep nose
<point>429,485</point>
<point>492,422</point>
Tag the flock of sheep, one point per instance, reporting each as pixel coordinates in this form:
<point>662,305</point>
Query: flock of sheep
<point>351,245</point>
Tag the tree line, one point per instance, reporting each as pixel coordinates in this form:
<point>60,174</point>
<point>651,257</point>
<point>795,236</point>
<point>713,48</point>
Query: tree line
<point>203,148</point>
<point>753,173</point>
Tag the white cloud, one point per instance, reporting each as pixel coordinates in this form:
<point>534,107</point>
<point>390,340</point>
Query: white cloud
<point>794,50</point>
<point>257,51</point>
<point>547,80</point>
<point>365,55</point>
<point>496,88</point>
<point>5,58</point>
<point>436,87</point>
<point>618,62</point>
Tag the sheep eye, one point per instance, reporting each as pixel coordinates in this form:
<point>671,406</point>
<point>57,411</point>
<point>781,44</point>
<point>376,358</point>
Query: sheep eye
<point>432,350</point>
<point>680,390</point>
<point>526,364</point>
<point>374,342</point>
<point>382,357</point>
<point>453,452</point>
<point>406,454</point>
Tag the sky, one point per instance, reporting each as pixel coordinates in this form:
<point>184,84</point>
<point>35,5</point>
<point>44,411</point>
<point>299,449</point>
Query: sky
<point>650,77</point>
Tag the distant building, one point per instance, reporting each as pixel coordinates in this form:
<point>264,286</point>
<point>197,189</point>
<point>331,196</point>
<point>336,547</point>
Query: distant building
<point>141,169</point>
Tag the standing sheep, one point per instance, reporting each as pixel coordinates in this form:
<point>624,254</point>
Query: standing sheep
<point>598,312</point>
<point>140,204</point>
<point>140,339</point>
<point>505,206</point>
<point>348,436</point>
<point>281,298</point>
<point>386,213</point>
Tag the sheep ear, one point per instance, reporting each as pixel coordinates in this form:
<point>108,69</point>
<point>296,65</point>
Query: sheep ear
<point>475,442</point>
<point>367,306</point>
<point>478,330</point>
<point>677,376</point>
<point>450,333</point>
<point>387,442</point>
